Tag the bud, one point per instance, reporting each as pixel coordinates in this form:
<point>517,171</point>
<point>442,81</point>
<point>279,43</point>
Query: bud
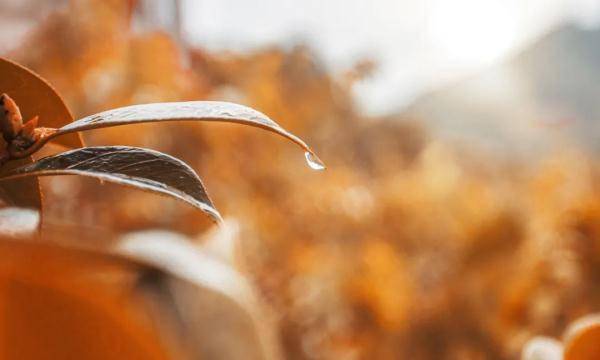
<point>28,130</point>
<point>11,120</point>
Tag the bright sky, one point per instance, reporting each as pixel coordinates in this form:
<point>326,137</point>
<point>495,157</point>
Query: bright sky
<point>418,44</point>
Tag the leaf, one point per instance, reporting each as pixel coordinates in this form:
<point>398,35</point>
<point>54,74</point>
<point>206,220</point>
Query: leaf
<point>136,167</point>
<point>193,110</point>
<point>21,192</point>
<point>196,287</point>
<point>67,302</point>
<point>35,96</point>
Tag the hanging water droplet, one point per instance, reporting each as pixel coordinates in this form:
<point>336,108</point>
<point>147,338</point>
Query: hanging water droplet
<point>313,161</point>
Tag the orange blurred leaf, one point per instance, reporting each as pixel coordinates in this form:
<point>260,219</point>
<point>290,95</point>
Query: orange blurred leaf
<point>35,96</point>
<point>582,340</point>
<point>63,303</point>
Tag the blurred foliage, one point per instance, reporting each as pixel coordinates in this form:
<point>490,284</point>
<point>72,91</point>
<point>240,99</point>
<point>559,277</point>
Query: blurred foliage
<point>405,247</point>
<point>64,303</point>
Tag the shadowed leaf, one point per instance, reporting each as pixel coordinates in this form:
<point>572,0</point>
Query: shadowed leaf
<point>70,302</point>
<point>193,110</point>
<point>194,288</point>
<point>21,192</point>
<point>140,168</point>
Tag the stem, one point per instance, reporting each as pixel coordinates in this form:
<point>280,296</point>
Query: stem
<point>45,136</point>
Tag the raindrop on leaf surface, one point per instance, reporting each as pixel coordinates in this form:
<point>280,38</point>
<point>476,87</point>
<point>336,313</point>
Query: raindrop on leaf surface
<point>313,161</point>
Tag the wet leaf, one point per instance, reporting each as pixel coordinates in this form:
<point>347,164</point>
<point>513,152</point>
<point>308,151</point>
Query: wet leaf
<point>140,168</point>
<point>35,96</point>
<point>193,110</point>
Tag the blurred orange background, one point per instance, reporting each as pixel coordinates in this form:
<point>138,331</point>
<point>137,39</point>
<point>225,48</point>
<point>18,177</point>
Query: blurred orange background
<point>455,228</point>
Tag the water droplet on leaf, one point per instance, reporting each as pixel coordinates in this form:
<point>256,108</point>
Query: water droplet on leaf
<point>314,162</point>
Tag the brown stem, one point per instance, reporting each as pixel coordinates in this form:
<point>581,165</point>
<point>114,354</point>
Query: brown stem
<point>45,134</point>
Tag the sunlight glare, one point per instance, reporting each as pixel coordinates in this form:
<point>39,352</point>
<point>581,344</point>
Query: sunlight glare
<point>472,32</point>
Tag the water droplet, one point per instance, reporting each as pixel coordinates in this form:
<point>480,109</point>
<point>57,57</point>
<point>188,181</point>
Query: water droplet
<point>313,161</point>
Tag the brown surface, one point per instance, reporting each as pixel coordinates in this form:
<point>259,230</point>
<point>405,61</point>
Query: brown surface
<point>57,303</point>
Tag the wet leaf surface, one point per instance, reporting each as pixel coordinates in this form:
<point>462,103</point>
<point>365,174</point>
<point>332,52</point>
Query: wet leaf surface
<point>136,167</point>
<point>192,110</point>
